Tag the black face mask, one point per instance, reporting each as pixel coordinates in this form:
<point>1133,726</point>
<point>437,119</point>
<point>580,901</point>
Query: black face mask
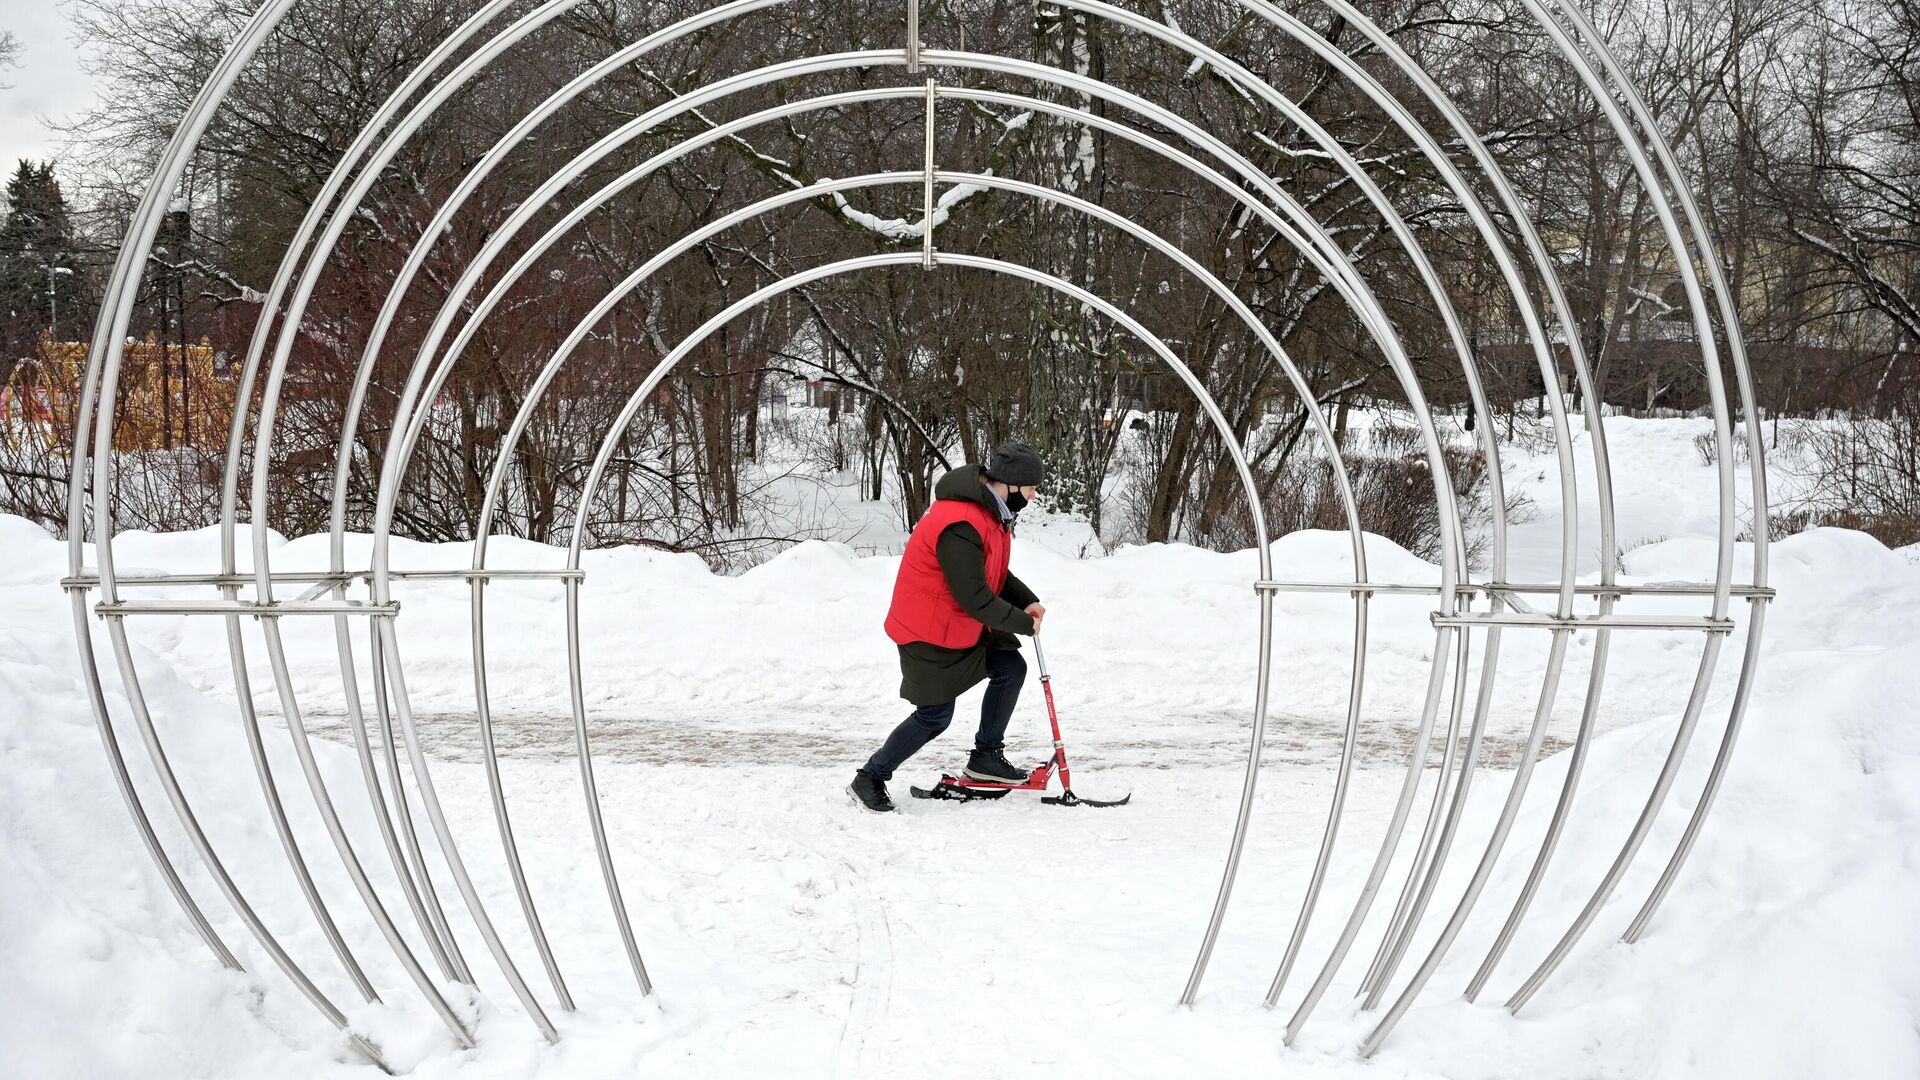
<point>1015,501</point>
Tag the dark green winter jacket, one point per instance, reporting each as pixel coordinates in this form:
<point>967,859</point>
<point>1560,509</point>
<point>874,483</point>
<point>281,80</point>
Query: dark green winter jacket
<point>931,674</point>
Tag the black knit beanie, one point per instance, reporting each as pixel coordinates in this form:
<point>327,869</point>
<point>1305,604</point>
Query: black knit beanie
<point>1016,465</point>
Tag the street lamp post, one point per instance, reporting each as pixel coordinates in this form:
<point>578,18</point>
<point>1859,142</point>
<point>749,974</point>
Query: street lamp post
<point>53,298</point>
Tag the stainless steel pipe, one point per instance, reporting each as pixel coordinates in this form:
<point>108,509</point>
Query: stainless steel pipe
<point>328,594</point>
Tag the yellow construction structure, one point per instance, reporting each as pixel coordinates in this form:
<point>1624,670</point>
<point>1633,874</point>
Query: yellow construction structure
<point>169,397</point>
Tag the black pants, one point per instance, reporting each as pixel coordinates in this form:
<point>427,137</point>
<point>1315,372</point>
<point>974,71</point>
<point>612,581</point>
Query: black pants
<point>1006,671</point>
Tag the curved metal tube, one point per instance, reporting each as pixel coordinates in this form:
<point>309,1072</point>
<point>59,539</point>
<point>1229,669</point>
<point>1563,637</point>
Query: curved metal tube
<point>1756,457</point>
<point>1722,442</point>
<point>103,370</point>
<point>1450,531</point>
<point>1451,540</point>
<point>103,356</point>
<point>302,747</point>
<point>501,236</point>
<point>579,213</point>
<point>611,442</point>
<point>1293,224</point>
<point>117,764</point>
<point>1562,807</point>
<point>431,923</point>
<point>1436,681</point>
<point>276,374</point>
<point>1709,653</point>
<point>283,829</point>
<point>1397,941</point>
<point>275,651</point>
<point>1603,477</point>
<point>1451,528</point>
<point>1516,794</point>
<point>813,191</point>
<point>264,433</point>
<point>1619,867</point>
<point>542,246</point>
<point>1405,910</point>
<point>411,421</point>
<point>1436,461</point>
<point>1749,666</point>
<point>416,860</point>
<point>442,833</point>
<point>1566,467</point>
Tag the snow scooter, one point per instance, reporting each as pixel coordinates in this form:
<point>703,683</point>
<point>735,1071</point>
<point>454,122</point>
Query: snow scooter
<point>966,788</point>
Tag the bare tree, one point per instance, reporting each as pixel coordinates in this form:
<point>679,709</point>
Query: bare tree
<point>1794,118</point>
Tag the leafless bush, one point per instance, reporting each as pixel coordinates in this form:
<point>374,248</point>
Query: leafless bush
<point>33,482</point>
<point>1393,440</point>
<point>1786,437</point>
<point>1392,491</point>
<point>1521,508</point>
<point>1533,434</point>
<point>1865,474</point>
<point>933,362</point>
<point>1709,449</point>
<point>156,490</point>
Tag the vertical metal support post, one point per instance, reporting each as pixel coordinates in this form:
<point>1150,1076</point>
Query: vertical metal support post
<point>1563,806</point>
<point>496,790</point>
<point>1356,687</point>
<point>583,746</point>
<point>926,191</point>
<point>1436,682</point>
<point>383,819</point>
<point>913,36</point>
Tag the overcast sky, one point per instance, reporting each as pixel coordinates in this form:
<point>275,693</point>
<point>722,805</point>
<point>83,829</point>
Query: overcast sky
<point>47,84</point>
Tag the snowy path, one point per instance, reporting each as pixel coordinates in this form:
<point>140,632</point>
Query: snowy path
<point>734,740</point>
<point>789,934</point>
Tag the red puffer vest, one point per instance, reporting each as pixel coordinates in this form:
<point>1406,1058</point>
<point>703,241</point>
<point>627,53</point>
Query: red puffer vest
<point>923,607</point>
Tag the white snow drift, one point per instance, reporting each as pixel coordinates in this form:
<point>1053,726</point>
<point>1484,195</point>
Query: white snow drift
<point>786,931</point>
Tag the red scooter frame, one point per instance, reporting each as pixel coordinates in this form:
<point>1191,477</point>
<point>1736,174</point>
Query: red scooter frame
<point>966,787</point>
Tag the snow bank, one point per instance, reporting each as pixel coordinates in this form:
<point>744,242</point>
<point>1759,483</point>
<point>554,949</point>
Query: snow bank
<point>786,932</point>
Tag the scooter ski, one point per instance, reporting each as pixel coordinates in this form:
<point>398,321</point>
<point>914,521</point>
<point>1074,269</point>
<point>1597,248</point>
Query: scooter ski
<point>966,789</point>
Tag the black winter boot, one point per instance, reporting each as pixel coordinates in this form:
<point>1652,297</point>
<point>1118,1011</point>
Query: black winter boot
<point>992,765</point>
<point>870,792</point>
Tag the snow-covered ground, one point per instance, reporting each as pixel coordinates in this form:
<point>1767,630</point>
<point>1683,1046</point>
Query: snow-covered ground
<point>786,931</point>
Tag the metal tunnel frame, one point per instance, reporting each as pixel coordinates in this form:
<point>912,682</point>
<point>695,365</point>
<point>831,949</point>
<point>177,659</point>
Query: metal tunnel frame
<point>96,591</point>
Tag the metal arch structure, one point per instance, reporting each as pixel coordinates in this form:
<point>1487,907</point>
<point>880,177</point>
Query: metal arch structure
<point>355,595</point>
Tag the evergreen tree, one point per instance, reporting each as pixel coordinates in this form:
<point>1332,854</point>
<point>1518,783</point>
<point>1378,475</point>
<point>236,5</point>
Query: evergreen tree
<point>40,282</point>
